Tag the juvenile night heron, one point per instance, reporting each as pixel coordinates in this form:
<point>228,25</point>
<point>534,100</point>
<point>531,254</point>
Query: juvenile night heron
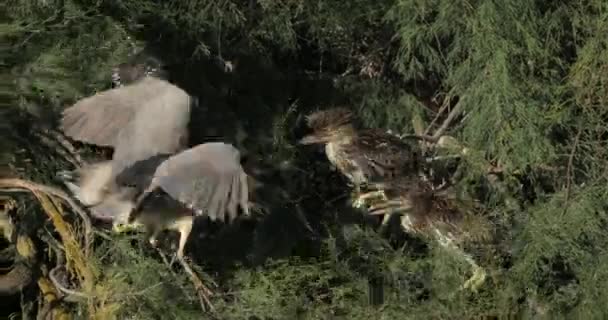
<point>152,178</point>
<point>437,216</point>
<point>362,155</point>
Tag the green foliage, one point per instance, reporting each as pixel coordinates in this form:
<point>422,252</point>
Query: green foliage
<point>140,286</point>
<point>61,53</point>
<point>531,78</point>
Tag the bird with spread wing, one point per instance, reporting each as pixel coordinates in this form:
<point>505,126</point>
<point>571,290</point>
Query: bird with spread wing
<point>153,177</point>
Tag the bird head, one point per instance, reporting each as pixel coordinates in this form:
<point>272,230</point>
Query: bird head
<point>141,65</point>
<point>328,125</point>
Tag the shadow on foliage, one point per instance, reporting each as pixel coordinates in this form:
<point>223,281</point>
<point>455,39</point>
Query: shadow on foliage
<point>258,107</point>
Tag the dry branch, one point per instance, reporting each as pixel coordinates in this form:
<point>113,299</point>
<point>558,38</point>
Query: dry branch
<point>444,106</point>
<point>201,290</point>
<point>10,184</point>
<point>444,126</point>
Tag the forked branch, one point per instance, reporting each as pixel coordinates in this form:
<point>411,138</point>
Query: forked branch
<point>442,129</point>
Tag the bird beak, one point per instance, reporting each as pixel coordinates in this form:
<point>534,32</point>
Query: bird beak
<point>310,139</point>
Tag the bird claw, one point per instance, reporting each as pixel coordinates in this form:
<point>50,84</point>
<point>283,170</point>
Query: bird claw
<point>123,227</point>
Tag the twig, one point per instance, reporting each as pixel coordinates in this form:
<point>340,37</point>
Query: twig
<point>142,291</point>
<point>443,107</point>
<point>56,145</point>
<point>202,291</point>
<point>444,126</point>
<point>70,295</point>
<point>77,296</point>
<point>446,123</point>
<point>168,264</point>
<point>569,169</point>
<point>32,186</point>
<point>65,143</point>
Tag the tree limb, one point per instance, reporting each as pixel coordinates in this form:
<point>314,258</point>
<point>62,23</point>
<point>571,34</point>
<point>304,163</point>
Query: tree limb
<point>441,110</point>
<point>444,126</point>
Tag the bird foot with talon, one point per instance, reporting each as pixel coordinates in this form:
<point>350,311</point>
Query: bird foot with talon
<point>362,200</point>
<point>123,227</point>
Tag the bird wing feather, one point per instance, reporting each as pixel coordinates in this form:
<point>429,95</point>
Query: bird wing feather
<point>99,119</point>
<point>160,128</point>
<point>381,156</point>
<point>462,218</point>
<point>208,178</point>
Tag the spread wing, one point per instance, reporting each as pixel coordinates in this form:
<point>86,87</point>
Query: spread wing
<point>208,178</point>
<point>160,128</point>
<point>99,119</point>
<point>382,156</point>
<point>139,175</point>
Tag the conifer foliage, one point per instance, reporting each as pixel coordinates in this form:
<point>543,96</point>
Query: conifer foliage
<point>524,83</point>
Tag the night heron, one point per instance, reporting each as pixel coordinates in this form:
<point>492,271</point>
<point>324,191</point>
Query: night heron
<point>438,216</point>
<point>153,178</point>
<point>362,155</point>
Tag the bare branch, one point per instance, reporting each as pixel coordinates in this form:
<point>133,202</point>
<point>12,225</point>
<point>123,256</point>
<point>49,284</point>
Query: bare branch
<point>444,106</point>
<point>70,295</point>
<point>444,126</point>
<point>446,123</point>
<point>202,291</point>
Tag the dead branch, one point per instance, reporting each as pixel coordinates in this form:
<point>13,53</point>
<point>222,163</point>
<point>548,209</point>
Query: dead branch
<point>444,126</point>
<point>446,123</point>
<point>201,290</point>
<point>444,106</point>
<point>69,294</point>
<point>68,152</point>
<point>35,187</point>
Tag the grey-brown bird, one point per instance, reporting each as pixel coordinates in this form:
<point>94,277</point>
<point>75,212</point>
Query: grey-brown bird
<point>146,121</point>
<point>362,155</point>
<point>438,216</point>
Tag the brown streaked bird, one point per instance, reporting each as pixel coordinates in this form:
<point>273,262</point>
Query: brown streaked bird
<point>434,215</point>
<point>146,121</point>
<point>362,155</point>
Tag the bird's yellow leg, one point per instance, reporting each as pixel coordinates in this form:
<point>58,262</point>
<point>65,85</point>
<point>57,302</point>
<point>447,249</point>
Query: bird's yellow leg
<point>479,273</point>
<point>184,232</point>
<point>185,227</point>
<point>125,227</point>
